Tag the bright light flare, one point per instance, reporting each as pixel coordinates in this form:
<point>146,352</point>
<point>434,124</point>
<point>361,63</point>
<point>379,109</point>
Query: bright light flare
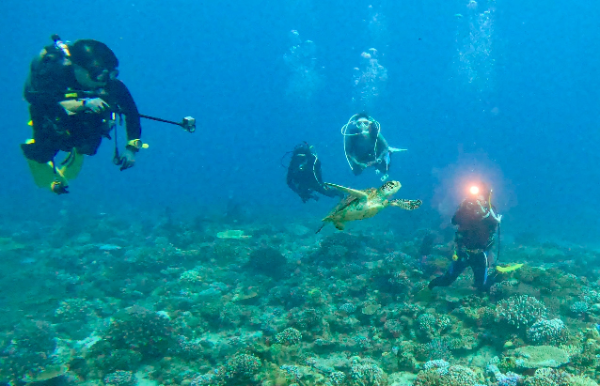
<point>474,190</point>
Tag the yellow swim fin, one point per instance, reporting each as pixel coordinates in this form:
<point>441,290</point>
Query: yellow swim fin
<point>508,268</point>
<point>46,176</point>
<point>425,295</point>
<point>72,165</point>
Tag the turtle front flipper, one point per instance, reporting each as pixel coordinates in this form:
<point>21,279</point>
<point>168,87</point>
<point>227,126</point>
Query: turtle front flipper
<point>352,192</point>
<point>406,204</point>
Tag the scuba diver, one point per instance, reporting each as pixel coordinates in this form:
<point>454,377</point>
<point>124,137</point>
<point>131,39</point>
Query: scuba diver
<point>477,223</point>
<point>304,174</point>
<point>365,146</point>
<point>75,98</point>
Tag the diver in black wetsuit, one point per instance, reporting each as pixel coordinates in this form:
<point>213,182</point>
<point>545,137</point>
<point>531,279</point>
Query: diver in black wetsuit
<point>477,224</point>
<point>304,174</point>
<point>73,95</point>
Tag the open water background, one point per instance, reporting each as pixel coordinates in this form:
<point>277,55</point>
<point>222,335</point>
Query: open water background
<point>530,127</point>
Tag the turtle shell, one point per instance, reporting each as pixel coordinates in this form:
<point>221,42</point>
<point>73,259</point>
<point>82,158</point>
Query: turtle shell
<point>350,203</point>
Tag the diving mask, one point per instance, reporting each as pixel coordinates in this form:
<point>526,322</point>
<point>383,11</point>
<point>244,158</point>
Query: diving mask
<point>363,124</point>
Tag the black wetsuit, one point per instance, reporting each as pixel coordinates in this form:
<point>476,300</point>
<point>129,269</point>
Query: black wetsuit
<point>52,80</point>
<point>304,175</point>
<point>474,239</point>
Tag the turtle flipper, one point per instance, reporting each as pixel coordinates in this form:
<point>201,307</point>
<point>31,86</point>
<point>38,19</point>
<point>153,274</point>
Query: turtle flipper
<point>406,204</point>
<point>340,225</point>
<point>352,192</point>
<point>395,149</point>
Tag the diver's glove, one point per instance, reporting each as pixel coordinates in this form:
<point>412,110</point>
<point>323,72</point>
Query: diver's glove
<point>128,159</point>
<point>95,105</point>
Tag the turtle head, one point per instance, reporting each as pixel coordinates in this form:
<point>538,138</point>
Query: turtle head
<point>390,188</point>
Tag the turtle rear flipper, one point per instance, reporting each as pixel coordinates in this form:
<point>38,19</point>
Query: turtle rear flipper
<point>406,204</point>
<point>340,225</point>
<point>352,192</point>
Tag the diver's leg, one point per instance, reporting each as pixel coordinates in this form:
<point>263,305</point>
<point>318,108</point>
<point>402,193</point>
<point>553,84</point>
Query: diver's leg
<point>480,266</point>
<point>45,174</point>
<point>46,141</point>
<point>39,151</point>
<point>456,268</point>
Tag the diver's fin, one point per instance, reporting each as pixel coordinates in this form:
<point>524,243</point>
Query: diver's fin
<point>395,149</point>
<point>45,175</point>
<point>406,204</point>
<point>352,192</point>
<point>508,268</point>
<point>425,295</point>
<point>72,165</point>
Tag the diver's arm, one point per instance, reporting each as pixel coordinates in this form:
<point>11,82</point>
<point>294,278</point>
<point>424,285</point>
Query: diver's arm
<point>126,105</point>
<point>73,106</point>
<point>489,214</point>
<point>493,219</point>
<point>496,217</point>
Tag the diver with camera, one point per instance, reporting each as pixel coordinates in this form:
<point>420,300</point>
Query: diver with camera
<point>74,100</point>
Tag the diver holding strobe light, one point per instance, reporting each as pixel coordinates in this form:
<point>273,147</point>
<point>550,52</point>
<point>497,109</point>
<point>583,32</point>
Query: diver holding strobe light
<point>477,223</point>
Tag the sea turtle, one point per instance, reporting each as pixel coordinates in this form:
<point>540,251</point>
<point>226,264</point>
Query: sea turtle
<point>360,204</point>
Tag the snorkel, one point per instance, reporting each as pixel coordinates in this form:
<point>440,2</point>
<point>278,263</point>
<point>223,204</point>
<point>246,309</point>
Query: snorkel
<point>58,43</point>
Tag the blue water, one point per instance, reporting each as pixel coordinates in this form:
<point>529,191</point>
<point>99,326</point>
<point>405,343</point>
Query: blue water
<point>530,127</point>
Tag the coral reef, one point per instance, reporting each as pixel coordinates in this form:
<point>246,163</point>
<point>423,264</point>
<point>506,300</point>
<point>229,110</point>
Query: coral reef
<point>172,304</point>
